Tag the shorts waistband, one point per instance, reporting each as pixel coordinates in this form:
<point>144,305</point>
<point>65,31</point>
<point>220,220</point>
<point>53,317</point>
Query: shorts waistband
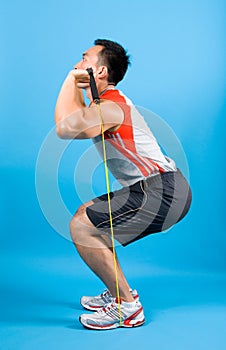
<point>152,179</point>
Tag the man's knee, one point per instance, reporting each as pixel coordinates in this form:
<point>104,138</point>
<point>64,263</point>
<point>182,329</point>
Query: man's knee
<point>75,224</point>
<point>80,225</point>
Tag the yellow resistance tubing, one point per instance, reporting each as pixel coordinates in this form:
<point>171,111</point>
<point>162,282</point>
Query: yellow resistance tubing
<point>110,212</point>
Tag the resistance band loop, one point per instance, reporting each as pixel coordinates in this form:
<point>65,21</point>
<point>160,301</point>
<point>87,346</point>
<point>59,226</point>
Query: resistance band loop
<point>96,99</point>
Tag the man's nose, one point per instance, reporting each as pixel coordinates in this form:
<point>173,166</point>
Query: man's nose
<point>78,65</point>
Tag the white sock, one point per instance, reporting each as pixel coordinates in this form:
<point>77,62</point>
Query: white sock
<point>129,305</point>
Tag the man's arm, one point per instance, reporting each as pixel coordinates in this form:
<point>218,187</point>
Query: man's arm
<point>74,120</point>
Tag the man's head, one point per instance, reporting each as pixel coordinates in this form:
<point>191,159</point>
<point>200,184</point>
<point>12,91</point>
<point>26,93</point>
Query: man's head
<point>108,59</point>
<point>114,57</point>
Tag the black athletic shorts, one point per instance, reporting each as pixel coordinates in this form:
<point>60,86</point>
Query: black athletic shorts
<point>149,206</point>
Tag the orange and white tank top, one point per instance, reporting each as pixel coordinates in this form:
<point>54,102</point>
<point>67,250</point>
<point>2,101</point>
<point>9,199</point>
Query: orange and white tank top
<point>133,153</point>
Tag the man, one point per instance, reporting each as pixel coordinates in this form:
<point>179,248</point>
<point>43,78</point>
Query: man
<point>155,195</point>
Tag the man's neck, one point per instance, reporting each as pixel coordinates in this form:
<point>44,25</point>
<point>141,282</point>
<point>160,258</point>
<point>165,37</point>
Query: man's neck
<point>101,88</point>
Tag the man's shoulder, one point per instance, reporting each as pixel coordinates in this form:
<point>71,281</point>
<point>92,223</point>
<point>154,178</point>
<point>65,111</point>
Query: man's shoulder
<point>115,95</point>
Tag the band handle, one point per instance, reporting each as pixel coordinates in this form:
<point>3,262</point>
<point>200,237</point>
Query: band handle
<point>93,86</point>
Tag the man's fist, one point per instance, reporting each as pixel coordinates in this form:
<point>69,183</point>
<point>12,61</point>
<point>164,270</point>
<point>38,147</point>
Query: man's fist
<point>81,77</point>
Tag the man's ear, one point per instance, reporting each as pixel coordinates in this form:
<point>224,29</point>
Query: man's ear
<point>102,72</point>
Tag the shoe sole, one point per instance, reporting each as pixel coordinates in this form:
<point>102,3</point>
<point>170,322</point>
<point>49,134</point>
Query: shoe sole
<point>90,308</point>
<point>112,326</point>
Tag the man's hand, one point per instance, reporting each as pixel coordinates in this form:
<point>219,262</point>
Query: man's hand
<point>81,77</point>
<point>71,98</point>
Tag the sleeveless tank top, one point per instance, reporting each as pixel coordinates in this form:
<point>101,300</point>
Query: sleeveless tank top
<point>133,153</point>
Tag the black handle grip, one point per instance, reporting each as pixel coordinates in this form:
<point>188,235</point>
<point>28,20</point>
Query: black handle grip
<point>93,86</point>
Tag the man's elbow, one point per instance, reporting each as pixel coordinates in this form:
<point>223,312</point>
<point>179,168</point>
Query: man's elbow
<point>68,127</point>
<point>62,131</point>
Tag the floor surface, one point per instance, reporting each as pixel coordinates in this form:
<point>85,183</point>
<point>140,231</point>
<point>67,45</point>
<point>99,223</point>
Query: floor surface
<point>40,307</point>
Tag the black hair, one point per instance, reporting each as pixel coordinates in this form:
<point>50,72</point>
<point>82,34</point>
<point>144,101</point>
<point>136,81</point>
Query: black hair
<point>115,57</point>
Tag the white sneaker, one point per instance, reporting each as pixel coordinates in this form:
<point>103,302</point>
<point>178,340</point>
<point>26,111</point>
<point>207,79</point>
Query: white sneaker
<point>110,316</point>
<point>99,301</point>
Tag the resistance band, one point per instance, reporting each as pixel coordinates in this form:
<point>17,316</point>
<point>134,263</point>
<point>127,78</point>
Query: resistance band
<point>96,100</point>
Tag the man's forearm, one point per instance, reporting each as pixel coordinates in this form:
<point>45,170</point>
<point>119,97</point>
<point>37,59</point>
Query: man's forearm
<point>70,99</point>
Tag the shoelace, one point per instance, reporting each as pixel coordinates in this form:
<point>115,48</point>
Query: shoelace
<point>111,309</point>
<point>106,295</point>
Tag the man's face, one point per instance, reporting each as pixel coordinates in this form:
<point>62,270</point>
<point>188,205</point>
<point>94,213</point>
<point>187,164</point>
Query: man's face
<point>89,58</point>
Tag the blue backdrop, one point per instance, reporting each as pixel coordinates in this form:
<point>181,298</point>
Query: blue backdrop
<point>178,71</point>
